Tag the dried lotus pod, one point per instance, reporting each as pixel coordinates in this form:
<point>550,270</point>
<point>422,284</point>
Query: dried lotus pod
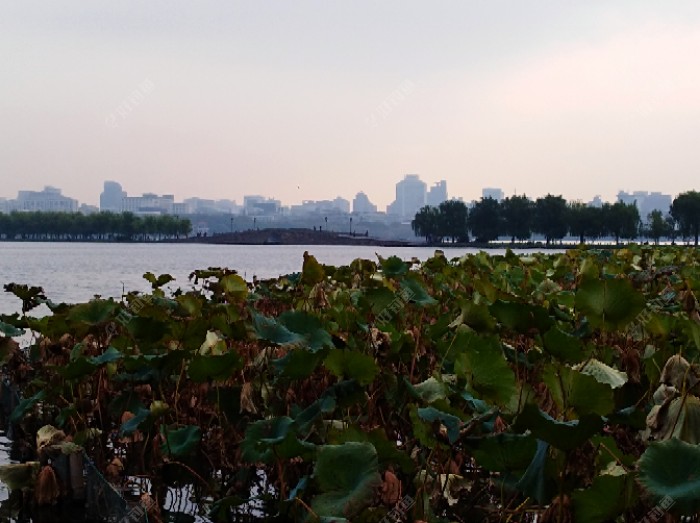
<point>678,372</point>
<point>47,489</point>
<point>48,435</point>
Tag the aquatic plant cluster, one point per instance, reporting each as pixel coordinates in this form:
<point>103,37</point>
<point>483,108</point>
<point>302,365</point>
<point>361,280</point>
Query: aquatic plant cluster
<point>546,387</point>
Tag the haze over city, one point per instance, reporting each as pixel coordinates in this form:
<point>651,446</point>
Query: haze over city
<point>310,100</point>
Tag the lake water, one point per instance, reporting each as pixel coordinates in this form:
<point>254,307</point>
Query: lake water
<point>75,272</point>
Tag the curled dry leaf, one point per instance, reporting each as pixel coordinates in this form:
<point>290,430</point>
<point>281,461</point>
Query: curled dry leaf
<point>247,398</point>
<point>114,469</point>
<point>47,489</point>
<point>136,436</point>
<point>391,489</point>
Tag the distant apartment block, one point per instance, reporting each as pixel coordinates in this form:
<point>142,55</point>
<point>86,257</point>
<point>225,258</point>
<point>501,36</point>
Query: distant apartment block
<point>410,197</point>
<point>596,201</point>
<point>492,192</point>
<point>48,200</point>
<point>337,206</point>
<point>205,206</point>
<point>112,197</point>
<point>647,202</point>
<point>362,205</point>
<point>149,203</point>
<point>437,194</point>
<point>255,205</point>
<point>88,209</point>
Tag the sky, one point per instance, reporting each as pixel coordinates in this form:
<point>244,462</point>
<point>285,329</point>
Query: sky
<point>303,99</point>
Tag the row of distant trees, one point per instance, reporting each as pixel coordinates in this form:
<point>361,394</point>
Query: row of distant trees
<point>99,226</point>
<point>519,217</point>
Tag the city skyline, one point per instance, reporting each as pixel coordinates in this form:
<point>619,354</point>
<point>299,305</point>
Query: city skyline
<point>325,99</point>
<point>411,192</point>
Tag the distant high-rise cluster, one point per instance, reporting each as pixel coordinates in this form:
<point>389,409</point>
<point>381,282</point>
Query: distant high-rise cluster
<point>437,194</point>
<point>411,195</point>
<point>646,202</point>
<point>112,197</point>
<point>48,200</point>
<point>362,205</point>
<point>492,192</point>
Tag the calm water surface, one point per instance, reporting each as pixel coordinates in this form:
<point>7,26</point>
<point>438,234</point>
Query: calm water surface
<point>74,272</point>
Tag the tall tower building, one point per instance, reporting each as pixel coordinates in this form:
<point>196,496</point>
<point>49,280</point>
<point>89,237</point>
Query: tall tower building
<point>362,205</point>
<point>492,192</point>
<point>410,197</point>
<point>437,194</point>
<point>112,197</point>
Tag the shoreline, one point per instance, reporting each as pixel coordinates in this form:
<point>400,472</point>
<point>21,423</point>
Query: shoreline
<point>299,236</point>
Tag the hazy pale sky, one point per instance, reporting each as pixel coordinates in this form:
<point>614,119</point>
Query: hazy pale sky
<point>310,100</point>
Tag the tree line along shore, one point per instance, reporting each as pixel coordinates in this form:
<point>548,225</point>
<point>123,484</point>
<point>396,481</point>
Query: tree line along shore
<point>552,217</point>
<point>514,219</point>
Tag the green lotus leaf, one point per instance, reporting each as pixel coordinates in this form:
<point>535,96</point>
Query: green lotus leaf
<point>298,363</point>
<point>129,426</point>
<point>521,317</point>
<point>481,361</point>
<point>573,389</point>
<point>180,442</point>
<point>205,368</point>
<point>671,469</point>
<point>476,316</point>
<point>535,482</point>
<point>350,364</point>
<point>309,327</point>
<point>108,356</point>
<point>271,330</point>
<point>93,312</point>
<point>563,346</point>
<point>9,330</point>
<point>234,286</point>
<point>608,497</point>
<point>271,439</point>
<point>609,303</point>
<point>158,281</point>
<point>413,290</point>
<point>564,435</point>
<point>393,266</point>
<point>25,406</point>
<point>387,451</point>
<point>505,452</point>
<point>451,422</point>
<point>347,476</point>
<point>430,390</point>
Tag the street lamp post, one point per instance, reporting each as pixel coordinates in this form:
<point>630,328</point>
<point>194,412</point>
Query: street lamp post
<point>350,225</point>
<point>231,224</point>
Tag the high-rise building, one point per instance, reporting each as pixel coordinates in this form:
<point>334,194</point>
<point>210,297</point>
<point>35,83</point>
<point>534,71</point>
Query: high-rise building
<point>596,201</point>
<point>48,200</point>
<point>362,205</point>
<point>492,192</point>
<point>112,197</point>
<point>410,197</point>
<point>646,201</point>
<point>149,203</point>
<point>437,194</point>
<point>255,205</point>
